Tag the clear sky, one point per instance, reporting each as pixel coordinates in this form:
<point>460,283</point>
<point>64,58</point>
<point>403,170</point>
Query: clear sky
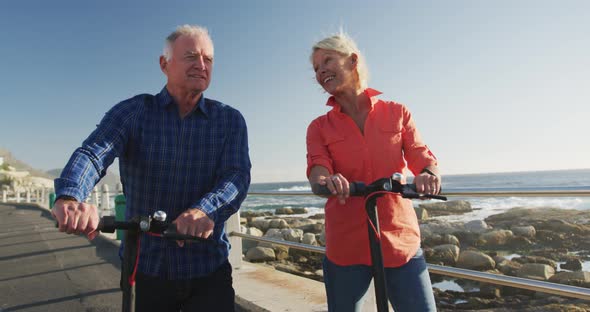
<point>493,85</point>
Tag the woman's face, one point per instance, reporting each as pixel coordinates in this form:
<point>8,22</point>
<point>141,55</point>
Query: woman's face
<point>336,73</point>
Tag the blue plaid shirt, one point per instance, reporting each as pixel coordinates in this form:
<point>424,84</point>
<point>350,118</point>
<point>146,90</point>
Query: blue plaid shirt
<point>171,164</point>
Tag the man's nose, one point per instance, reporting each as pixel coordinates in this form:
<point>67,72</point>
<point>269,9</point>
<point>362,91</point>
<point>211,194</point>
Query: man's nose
<point>199,63</point>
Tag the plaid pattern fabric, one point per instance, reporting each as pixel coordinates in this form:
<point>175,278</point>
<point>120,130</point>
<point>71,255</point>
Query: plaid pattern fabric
<point>171,164</point>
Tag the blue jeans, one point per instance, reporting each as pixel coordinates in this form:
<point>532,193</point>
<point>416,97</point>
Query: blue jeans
<point>408,286</point>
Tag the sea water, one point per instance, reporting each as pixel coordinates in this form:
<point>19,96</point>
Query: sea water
<point>483,206</point>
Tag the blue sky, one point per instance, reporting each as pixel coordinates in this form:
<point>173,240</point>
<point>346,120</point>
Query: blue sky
<point>493,86</point>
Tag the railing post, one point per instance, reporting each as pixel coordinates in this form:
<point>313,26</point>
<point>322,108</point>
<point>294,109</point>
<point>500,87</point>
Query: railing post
<point>105,203</point>
<point>28,195</point>
<point>94,197</point>
<point>4,196</point>
<point>17,195</point>
<point>120,213</point>
<point>235,254</point>
<point>42,197</point>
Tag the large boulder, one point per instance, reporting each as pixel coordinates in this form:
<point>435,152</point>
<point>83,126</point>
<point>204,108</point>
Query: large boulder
<point>506,266</point>
<point>247,243</point>
<point>476,226</point>
<point>496,238</point>
<point>447,208</point>
<point>261,224</point>
<point>579,278</point>
<point>260,254</point>
<point>278,224</point>
<point>527,231</point>
<point>572,265</point>
<point>446,254</point>
<point>309,239</point>
<point>475,260</point>
<point>292,235</point>
<point>536,271</point>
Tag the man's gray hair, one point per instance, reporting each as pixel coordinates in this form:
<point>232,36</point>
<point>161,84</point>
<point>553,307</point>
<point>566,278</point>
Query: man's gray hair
<point>187,30</point>
<point>343,44</point>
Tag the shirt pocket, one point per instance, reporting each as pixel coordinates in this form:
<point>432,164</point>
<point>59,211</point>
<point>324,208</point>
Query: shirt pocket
<point>390,139</point>
<point>343,151</point>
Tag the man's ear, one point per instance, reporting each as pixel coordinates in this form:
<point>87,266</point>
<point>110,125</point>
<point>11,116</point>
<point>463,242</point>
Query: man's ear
<point>163,64</point>
<point>354,58</point>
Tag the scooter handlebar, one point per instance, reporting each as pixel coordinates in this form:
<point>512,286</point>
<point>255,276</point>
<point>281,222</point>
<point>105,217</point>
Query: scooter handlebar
<point>360,189</point>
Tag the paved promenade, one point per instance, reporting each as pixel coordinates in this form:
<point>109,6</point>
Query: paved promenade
<point>42,269</point>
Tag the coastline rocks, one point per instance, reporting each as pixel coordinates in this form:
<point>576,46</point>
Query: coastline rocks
<point>476,226</point>
<point>506,266</point>
<point>496,238</point>
<point>290,211</point>
<point>475,260</point>
<point>536,271</point>
<point>309,239</point>
<point>524,231</point>
<point>292,235</point>
<point>447,208</point>
<point>572,265</point>
<point>260,254</point>
<point>536,259</point>
<point>581,279</point>
<point>440,227</point>
<point>421,213</point>
<point>248,214</point>
<point>436,239</point>
<point>261,224</point>
<point>278,224</point>
<point>446,254</point>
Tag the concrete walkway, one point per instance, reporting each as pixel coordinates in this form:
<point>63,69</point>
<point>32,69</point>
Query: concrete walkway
<point>42,269</point>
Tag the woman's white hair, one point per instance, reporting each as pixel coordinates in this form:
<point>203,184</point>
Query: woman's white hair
<point>343,44</point>
<point>187,30</point>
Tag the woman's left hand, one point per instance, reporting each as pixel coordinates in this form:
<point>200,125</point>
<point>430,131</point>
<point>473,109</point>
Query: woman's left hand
<point>427,183</point>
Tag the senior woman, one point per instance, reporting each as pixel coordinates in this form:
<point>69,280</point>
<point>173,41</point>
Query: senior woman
<point>364,138</point>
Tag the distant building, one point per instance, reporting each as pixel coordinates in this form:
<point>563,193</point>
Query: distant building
<point>1,160</point>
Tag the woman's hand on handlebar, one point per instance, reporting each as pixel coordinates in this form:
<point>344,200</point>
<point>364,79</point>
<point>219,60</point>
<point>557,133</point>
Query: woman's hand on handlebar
<point>336,183</point>
<point>76,218</point>
<point>427,183</point>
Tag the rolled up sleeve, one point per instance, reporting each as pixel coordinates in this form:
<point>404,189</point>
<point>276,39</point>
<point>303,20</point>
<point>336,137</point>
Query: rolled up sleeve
<point>418,156</point>
<point>317,151</point>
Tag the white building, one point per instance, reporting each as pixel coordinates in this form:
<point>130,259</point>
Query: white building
<point>1,160</point>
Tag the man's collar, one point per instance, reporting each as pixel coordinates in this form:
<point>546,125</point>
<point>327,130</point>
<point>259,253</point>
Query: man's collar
<point>165,100</point>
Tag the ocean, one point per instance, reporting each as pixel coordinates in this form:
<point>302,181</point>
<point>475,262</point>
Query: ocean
<point>578,179</point>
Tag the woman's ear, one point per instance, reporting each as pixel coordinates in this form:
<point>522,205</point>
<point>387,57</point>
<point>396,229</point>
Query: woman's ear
<point>354,59</point>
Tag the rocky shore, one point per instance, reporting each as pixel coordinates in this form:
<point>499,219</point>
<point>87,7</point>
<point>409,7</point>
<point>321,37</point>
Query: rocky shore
<point>547,244</point>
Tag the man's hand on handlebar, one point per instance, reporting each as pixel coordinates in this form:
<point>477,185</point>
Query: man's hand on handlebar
<point>76,218</point>
<point>194,222</point>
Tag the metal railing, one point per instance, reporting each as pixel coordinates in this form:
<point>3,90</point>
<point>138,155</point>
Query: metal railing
<point>503,280</point>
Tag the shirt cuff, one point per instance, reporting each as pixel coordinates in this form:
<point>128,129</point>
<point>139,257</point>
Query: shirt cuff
<point>208,208</point>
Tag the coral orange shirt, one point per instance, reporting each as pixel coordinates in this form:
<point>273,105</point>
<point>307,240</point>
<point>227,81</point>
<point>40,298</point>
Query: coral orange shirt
<point>389,144</point>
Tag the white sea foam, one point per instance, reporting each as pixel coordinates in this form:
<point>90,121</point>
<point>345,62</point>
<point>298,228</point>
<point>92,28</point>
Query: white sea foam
<point>296,188</point>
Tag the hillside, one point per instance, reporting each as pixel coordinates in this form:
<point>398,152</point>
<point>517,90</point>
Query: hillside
<point>111,179</point>
<point>22,166</point>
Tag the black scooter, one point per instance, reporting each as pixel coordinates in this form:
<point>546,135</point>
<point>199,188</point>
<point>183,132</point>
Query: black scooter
<point>371,192</point>
<point>155,225</point>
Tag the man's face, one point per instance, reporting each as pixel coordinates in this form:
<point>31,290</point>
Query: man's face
<point>191,64</point>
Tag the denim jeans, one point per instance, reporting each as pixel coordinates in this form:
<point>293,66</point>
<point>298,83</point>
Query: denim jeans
<point>408,286</point>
